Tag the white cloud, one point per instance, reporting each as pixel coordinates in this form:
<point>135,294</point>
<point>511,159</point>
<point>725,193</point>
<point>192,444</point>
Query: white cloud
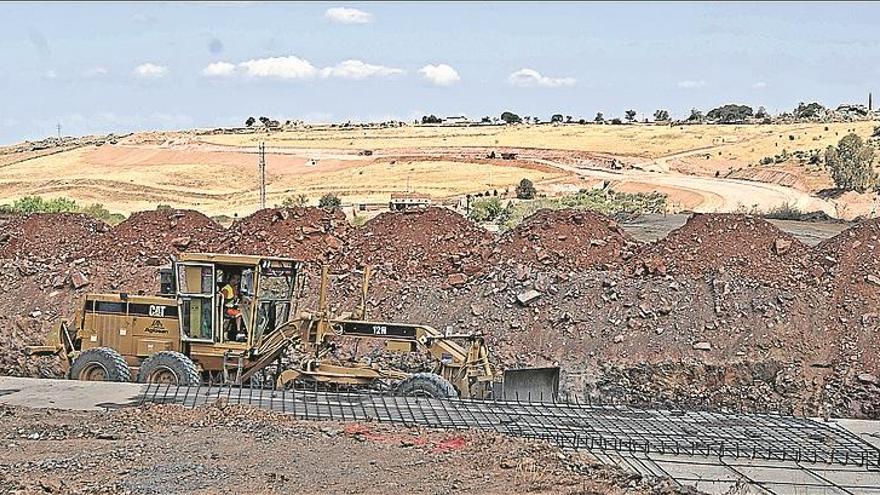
<point>150,71</point>
<point>530,78</point>
<point>291,67</point>
<point>95,72</point>
<point>759,85</point>
<point>692,84</point>
<point>440,74</point>
<point>345,15</point>
<point>50,74</point>
<point>218,69</point>
<point>357,69</point>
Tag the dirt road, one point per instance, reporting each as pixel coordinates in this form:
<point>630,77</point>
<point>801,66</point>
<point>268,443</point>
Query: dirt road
<point>703,194</point>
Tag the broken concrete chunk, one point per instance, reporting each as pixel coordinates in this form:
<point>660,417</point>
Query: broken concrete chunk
<point>78,280</point>
<point>702,346</point>
<point>781,246</point>
<point>867,378</point>
<point>456,279</point>
<point>873,279</point>
<point>527,297</point>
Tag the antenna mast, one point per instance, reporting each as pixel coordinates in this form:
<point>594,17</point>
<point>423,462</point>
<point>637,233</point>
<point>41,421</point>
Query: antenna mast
<point>262,175</point>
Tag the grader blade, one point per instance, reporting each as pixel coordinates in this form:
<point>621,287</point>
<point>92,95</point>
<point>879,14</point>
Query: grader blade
<point>531,384</point>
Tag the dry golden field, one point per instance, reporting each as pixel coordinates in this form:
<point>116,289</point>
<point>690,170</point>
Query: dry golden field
<point>217,173</point>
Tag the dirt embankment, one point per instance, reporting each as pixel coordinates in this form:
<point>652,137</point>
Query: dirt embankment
<point>727,309</point>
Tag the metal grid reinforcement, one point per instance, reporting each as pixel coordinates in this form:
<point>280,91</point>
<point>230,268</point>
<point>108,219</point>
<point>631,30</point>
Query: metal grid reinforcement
<point>579,426</point>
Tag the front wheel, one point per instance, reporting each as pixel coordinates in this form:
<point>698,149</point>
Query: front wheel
<point>169,367</point>
<point>427,385</point>
<point>100,364</point>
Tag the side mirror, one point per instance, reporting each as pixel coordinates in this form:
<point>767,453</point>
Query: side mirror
<point>247,282</point>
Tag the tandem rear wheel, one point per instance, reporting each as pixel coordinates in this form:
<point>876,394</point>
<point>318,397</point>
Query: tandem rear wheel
<point>169,367</point>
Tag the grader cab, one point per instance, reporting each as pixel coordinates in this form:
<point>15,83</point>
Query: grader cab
<point>235,318</point>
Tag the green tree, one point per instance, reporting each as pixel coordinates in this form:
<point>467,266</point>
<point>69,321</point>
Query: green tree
<point>852,164</point>
<point>431,119</point>
<point>809,111</point>
<point>250,121</point>
<point>525,189</point>
<point>329,200</point>
<point>600,119</point>
<point>510,118</point>
<point>556,118</point>
<point>630,115</point>
<point>696,115</point>
<point>730,113</point>
<point>661,115</point>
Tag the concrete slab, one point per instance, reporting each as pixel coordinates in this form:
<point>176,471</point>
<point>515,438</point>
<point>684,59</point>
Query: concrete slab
<point>67,394</point>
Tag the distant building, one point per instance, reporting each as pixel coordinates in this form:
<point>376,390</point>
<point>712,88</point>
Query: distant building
<point>406,201</point>
<point>456,120</point>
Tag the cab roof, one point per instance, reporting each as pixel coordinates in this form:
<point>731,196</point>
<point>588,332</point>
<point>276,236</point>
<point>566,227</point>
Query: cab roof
<point>231,259</point>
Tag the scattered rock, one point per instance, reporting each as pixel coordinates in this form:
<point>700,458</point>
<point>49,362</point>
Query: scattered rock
<point>528,297</point>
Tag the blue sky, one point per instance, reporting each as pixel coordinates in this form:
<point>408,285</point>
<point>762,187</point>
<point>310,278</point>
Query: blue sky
<point>100,67</point>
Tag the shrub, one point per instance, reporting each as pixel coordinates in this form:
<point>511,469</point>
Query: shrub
<point>785,211</point>
<point>298,200</point>
<point>485,210</point>
<point>329,200</point>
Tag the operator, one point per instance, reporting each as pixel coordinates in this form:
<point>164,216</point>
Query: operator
<point>229,292</point>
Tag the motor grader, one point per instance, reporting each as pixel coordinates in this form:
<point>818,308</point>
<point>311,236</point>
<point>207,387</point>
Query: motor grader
<point>186,336</point>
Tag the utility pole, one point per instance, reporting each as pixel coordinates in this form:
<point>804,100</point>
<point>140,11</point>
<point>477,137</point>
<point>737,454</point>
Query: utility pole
<point>58,126</point>
<point>262,175</point>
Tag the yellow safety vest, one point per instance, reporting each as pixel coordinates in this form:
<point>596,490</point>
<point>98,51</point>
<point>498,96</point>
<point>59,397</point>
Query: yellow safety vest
<point>229,295</point>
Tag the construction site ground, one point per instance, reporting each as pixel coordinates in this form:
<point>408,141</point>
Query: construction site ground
<point>75,437</point>
<point>88,444</point>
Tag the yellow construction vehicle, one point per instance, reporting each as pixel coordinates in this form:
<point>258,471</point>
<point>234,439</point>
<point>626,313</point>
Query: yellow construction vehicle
<point>234,318</point>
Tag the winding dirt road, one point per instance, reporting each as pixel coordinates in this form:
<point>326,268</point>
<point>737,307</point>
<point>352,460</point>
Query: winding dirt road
<point>703,194</point>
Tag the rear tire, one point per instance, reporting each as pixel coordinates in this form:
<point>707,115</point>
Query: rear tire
<point>427,385</point>
<point>169,367</point>
<point>101,364</point>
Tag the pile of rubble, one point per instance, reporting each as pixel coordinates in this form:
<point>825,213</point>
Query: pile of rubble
<point>308,234</point>
<point>741,245</point>
<point>429,243</point>
<point>567,239</point>
<point>49,236</point>
<point>852,261</point>
<point>154,235</point>
<point>720,296</point>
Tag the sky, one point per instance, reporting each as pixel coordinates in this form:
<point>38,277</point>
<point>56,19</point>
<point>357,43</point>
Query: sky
<point>119,67</point>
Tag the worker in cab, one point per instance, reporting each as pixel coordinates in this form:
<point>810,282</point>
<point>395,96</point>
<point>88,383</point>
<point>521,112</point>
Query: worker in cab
<point>231,308</point>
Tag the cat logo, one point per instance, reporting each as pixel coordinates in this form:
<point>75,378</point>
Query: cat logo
<point>156,327</point>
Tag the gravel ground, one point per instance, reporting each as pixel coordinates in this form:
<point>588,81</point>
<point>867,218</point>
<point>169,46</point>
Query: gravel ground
<point>225,449</point>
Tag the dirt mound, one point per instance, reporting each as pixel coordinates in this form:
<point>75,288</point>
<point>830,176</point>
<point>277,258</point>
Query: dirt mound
<point>421,243</point>
<point>57,236</point>
<point>570,239</point>
<point>852,259</point>
<point>741,245</point>
<point>159,233</point>
<point>308,234</point>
